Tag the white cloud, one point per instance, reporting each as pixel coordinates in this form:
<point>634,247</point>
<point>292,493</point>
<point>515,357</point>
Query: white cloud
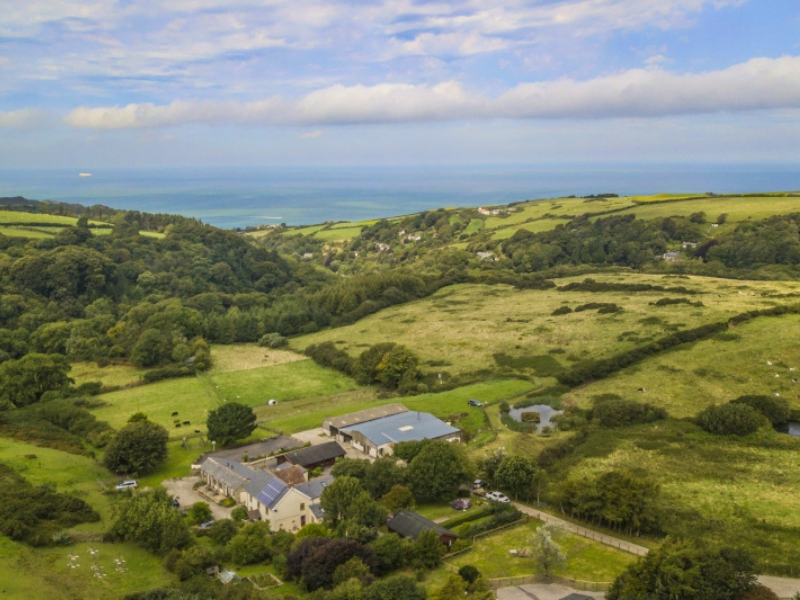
<point>310,135</point>
<point>754,85</point>
<point>26,118</point>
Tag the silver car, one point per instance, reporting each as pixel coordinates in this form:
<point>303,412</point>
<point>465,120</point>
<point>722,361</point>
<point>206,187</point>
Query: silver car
<point>497,497</point>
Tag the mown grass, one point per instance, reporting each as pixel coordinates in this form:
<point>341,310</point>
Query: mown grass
<point>84,372</point>
<point>587,560</point>
<point>27,573</point>
<point>344,233</point>
<point>694,376</point>
<point>242,357</point>
<point>309,413</point>
<point>193,397</point>
<point>8,216</point>
<point>466,325</point>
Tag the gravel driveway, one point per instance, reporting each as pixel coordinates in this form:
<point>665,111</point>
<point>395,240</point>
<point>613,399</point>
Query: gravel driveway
<point>182,490</point>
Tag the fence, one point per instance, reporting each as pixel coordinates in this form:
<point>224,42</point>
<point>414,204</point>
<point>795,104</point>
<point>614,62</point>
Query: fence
<point>588,586</point>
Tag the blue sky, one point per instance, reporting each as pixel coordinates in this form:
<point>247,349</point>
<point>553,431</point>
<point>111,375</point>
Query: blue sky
<point>264,82</point>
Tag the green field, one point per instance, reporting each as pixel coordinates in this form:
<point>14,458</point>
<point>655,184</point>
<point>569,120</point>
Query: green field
<point>193,397</point>
<point>534,227</point>
<point>713,371</point>
<point>587,560</point>
<point>84,372</point>
<point>309,413</point>
<point>466,325</point>
<point>26,232</point>
<point>737,209</point>
<point>332,235</point>
<point>8,216</point>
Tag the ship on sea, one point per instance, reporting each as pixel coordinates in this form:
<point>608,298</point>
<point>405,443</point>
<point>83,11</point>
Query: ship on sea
<point>84,174</point>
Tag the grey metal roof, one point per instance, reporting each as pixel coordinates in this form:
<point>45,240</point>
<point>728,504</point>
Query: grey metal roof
<point>315,454</point>
<point>317,510</point>
<point>313,489</point>
<point>410,524</point>
<point>403,427</point>
<point>228,472</point>
<point>362,416</point>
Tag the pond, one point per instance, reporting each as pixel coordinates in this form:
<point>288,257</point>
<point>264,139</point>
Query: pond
<point>545,413</point>
<point>792,428</point>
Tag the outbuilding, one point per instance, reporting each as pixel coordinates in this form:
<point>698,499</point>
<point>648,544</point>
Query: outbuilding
<point>409,524</point>
<point>378,437</point>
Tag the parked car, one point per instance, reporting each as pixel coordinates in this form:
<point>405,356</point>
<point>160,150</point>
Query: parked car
<point>130,484</point>
<point>478,484</point>
<point>207,524</point>
<point>473,402</point>
<point>497,497</point>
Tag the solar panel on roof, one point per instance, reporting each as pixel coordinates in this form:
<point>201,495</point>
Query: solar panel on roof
<point>268,495</point>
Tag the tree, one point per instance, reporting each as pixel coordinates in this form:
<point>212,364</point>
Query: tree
<point>352,569</point>
<point>251,545</point>
<point>137,448</point>
<point>427,551</point>
<point>390,553</point>
<point>398,364</point>
<point>382,475</point>
<point>366,512</point>
<point>149,520</point>
<point>547,555</point>
<point>469,573</point>
<point>398,587</point>
<point>516,474</point>
<point>338,497</point>
<point>488,465</point>
<point>24,381</point>
<point>683,571</point>
<point>151,350</point>
<point>365,367</point>
<point>438,470</point>
<point>351,467</point>
<point>230,422</point>
<point>200,512</point>
<point>398,497</point>
<point>319,567</point>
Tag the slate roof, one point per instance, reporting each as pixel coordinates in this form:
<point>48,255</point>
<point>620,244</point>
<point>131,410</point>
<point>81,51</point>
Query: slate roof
<point>313,455</point>
<point>362,416</point>
<point>272,493</point>
<point>291,475</point>
<point>259,481</point>
<point>410,524</point>
<point>228,472</point>
<point>313,489</point>
<point>403,427</point>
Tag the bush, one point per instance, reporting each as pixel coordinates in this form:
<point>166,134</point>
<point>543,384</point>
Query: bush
<point>730,419</point>
<point>273,340</point>
<point>239,513</point>
<point>775,409</point>
<point>227,502</point>
<point>621,413</point>
<point>469,573</point>
<point>561,310</point>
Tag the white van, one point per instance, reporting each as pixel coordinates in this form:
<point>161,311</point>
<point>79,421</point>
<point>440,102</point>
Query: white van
<point>130,484</point>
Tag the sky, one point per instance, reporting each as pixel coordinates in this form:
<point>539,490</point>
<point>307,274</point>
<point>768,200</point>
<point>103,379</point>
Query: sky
<point>155,83</point>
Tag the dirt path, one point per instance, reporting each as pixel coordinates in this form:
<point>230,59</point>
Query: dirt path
<point>582,531</point>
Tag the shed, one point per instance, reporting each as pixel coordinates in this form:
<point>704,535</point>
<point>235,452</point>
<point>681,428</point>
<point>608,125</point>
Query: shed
<point>407,523</point>
<point>226,576</point>
<point>313,457</point>
<point>332,425</point>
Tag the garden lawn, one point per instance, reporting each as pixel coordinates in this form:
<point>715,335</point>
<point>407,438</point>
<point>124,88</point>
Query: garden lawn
<point>587,560</point>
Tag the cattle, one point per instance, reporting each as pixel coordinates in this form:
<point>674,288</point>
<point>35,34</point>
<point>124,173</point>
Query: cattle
<point>175,414</point>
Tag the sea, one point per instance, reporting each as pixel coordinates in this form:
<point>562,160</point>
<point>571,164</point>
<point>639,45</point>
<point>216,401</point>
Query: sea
<point>251,196</point>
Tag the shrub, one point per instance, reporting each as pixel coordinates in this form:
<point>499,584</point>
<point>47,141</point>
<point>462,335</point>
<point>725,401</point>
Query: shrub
<point>621,413</point>
<point>730,419</point>
<point>469,573</point>
<point>561,310</point>
<point>227,502</point>
<point>775,409</point>
<point>273,340</point>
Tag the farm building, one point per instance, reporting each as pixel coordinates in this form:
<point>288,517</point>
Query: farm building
<point>378,437</point>
<point>313,457</point>
<point>332,425</point>
<point>225,477</point>
<point>408,524</point>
